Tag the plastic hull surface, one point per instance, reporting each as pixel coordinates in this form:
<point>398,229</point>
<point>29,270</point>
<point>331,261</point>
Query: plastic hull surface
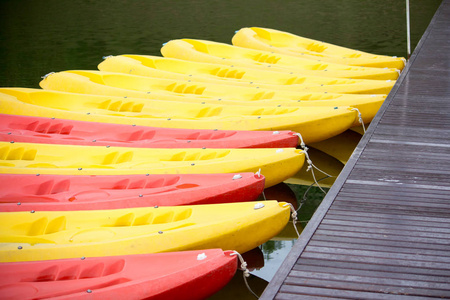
<point>31,129</point>
<point>313,123</point>
<point>27,192</point>
<point>175,275</point>
<point>27,158</point>
<point>287,43</point>
<point>220,53</point>
<point>166,67</point>
<point>44,235</point>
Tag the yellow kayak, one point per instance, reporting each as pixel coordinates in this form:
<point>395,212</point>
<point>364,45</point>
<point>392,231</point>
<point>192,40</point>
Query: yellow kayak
<point>220,53</point>
<point>184,70</point>
<point>44,235</point>
<point>119,84</point>
<point>313,123</point>
<point>287,43</point>
<point>29,158</point>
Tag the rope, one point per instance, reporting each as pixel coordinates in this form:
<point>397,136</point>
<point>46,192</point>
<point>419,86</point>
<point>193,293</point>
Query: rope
<point>294,217</point>
<point>360,119</point>
<point>46,75</point>
<point>302,143</point>
<point>259,175</point>
<point>246,272</point>
<point>306,192</point>
<point>264,195</point>
<point>311,166</point>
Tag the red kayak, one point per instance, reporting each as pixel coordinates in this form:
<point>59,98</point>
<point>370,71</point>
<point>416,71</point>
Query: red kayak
<point>173,275</point>
<point>15,128</point>
<point>27,192</point>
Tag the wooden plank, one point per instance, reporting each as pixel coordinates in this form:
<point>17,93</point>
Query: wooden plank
<point>288,292</point>
<point>433,187</point>
<point>350,257</point>
<point>386,247</point>
<point>386,217</point>
<point>352,283</point>
<point>394,200</point>
<point>387,270</point>
<point>426,260</point>
<point>398,245</point>
<point>383,236</point>
<point>376,226</point>
<point>388,231</point>
<point>376,280</point>
<point>374,218</point>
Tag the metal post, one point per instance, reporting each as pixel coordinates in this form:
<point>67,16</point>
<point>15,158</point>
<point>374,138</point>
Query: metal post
<point>408,32</point>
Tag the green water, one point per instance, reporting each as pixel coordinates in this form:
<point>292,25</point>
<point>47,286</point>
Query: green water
<point>38,37</point>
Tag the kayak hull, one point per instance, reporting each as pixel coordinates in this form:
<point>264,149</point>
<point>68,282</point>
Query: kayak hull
<point>31,129</point>
<point>176,275</point>
<point>220,53</point>
<point>287,43</point>
<point>44,235</point>
<point>27,158</point>
<point>184,70</point>
<point>27,192</point>
<point>313,123</point>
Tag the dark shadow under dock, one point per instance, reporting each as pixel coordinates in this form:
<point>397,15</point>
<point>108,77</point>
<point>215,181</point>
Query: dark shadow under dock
<point>383,230</point>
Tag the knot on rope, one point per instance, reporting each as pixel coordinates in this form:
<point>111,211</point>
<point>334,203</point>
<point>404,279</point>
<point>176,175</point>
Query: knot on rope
<point>243,263</point>
<point>246,272</point>
<point>258,173</point>
<point>302,143</point>
<point>294,217</point>
<point>311,168</point>
<point>107,56</point>
<point>360,119</point>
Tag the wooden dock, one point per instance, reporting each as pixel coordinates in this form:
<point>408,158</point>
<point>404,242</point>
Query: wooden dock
<point>383,230</point>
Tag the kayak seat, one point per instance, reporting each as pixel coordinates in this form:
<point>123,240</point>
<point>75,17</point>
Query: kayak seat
<point>227,73</point>
<point>117,157</point>
<point>44,226</point>
<point>6,153</point>
<point>266,58</point>
<point>49,187</point>
<point>315,47</point>
<point>210,136</point>
<point>78,271</point>
<point>121,106</point>
<point>185,88</point>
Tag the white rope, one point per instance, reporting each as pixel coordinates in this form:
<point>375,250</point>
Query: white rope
<point>294,217</point>
<point>303,200</point>
<point>302,143</point>
<point>264,195</point>
<point>259,175</point>
<point>246,272</point>
<point>311,166</point>
<point>46,75</point>
<point>360,119</point>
